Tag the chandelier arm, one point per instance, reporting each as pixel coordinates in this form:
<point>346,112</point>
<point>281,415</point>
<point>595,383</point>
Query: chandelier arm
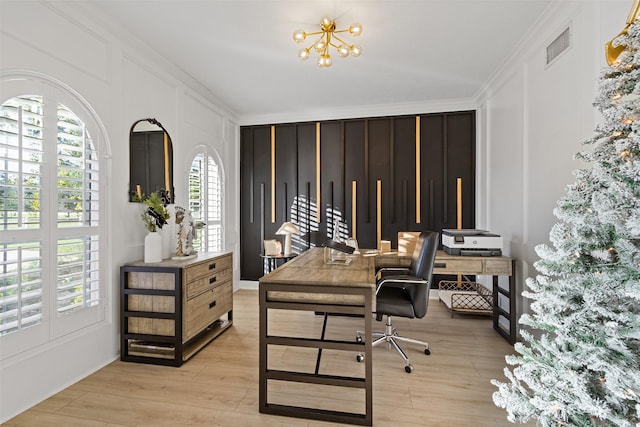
<point>340,40</point>
<point>346,30</point>
<point>317,40</point>
<point>312,44</point>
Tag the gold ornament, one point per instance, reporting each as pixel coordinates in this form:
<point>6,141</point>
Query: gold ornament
<point>612,53</point>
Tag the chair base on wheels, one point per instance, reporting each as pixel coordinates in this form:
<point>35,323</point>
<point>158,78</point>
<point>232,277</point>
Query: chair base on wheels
<point>390,336</point>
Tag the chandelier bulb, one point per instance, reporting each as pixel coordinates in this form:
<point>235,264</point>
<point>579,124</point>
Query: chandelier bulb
<point>304,54</point>
<point>320,46</point>
<point>343,50</point>
<point>355,29</point>
<point>299,36</point>
<point>356,50</point>
<point>324,60</point>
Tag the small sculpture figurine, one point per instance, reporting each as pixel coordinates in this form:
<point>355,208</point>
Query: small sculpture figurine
<point>186,232</point>
<point>189,230</point>
<point>179,221</point>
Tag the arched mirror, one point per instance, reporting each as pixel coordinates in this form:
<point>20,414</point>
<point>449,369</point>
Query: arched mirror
<point>150,161</point>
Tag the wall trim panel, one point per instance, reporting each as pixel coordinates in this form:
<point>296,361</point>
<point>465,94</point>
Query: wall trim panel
<point>377,176</point>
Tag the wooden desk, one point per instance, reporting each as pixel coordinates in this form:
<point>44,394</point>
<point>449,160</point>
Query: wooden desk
<point>504,320</point>
<point>308,283</point>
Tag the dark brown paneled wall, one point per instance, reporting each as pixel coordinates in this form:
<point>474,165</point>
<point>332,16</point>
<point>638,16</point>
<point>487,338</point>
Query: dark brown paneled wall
<point>279,179</point>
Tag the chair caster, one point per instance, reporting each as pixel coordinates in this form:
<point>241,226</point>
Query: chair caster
<point>358,338</point>
<point>427,351</point>
<point>360,358</point>
<point>408,369</point>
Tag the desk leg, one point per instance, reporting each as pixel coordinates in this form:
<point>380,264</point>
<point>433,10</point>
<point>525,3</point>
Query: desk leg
<point>324,329</point>
<point>368,358</point>
<point>498,311</point>
<point>496,302</point>
<point>513,315</point>
<point>262,392</point>
<point>265,340</point>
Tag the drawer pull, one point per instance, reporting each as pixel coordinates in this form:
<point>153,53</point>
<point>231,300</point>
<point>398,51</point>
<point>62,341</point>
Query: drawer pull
<point>212,304</point>
<point>440,265</point>
<point>212,266</point>
<point>212,279</point>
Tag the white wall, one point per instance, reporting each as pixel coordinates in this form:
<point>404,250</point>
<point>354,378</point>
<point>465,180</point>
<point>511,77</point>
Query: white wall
<point>123,83</point>
<point>532,119</point>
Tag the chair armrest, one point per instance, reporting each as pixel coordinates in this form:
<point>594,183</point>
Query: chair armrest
<point>393,269</point>
<point>383,271</point>
<point>400,280</point>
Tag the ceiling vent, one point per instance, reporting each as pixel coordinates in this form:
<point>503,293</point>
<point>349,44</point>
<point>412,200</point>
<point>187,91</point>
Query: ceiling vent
<point>559,45</point>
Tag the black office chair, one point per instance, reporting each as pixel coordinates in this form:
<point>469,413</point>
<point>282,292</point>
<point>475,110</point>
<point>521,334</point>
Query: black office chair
<point>405,292</point>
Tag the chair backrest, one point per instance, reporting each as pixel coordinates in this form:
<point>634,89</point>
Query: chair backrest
<point>422,262</point>
<point>424,255</point>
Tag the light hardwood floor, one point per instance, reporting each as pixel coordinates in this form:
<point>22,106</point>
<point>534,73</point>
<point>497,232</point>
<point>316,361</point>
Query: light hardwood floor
<point>219,386</point>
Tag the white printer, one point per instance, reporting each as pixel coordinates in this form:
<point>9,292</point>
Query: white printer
<point>471,242</point>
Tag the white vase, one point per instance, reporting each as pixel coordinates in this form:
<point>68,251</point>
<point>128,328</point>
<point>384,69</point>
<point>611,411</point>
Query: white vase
<point>153,247</point>
<point>165,233</point>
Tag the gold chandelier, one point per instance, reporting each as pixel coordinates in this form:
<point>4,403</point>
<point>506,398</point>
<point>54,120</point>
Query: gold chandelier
<point>327,36</point>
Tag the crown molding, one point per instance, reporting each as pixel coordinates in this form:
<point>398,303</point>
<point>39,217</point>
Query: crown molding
<point>359,111</point>
<point>137,50</point>
<point>553,19</point>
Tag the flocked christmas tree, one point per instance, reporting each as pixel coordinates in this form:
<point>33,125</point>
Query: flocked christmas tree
<point>580,363</point>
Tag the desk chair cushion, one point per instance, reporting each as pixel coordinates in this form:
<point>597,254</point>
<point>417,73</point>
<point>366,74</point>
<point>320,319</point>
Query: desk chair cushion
<point>394,301</point>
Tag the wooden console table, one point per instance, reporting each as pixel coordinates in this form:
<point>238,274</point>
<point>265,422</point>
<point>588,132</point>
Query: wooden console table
<point>308,283</point>
<point>171,309</point>
<point>504,319</point>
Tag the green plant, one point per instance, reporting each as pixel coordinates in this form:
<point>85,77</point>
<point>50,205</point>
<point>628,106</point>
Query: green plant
<point>156,213</point>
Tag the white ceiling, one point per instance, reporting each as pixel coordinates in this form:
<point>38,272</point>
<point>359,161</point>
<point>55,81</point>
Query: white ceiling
<point>413,51</point>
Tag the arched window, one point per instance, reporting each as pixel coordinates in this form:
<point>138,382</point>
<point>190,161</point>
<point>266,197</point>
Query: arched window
<point>205,201</point>
<point>50,213</point>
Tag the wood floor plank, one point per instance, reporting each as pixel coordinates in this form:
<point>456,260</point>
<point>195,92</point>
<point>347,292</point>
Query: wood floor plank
<point>58,400</point>
<point>137,412</point>
<point>34,418</point>
<point>219,385</point>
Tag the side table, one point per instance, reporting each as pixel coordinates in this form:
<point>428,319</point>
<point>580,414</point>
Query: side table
<point>270,262</point>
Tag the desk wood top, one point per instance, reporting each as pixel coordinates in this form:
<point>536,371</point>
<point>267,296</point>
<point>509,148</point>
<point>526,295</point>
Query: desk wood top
<point>309,268</point>
<point>180,263</point>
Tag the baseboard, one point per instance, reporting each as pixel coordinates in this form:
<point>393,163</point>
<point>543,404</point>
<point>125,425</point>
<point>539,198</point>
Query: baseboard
<point>248,284</point>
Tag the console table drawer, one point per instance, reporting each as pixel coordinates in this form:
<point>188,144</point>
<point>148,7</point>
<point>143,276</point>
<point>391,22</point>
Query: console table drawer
<point>211,280</point>
<point>458,266</point>
<point>498,266</point>
<point>205,308</point>
<point>211,266</point>
<point>146,326</point>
